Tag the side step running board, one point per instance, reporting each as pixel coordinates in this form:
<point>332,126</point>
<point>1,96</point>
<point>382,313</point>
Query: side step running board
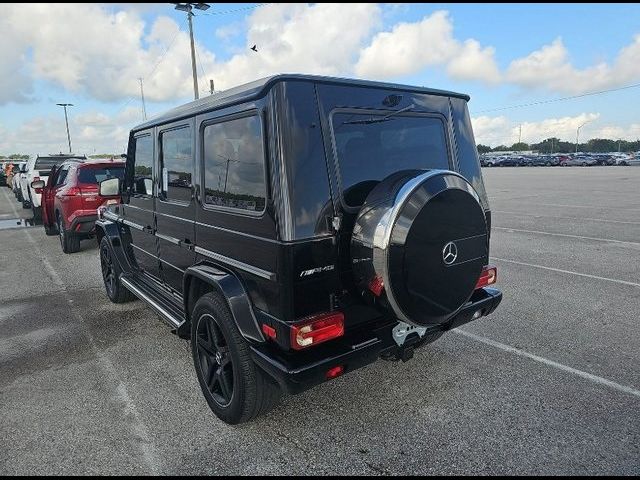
<point>171,318</point>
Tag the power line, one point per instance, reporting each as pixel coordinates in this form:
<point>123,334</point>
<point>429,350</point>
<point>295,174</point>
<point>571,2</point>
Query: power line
<point>155,67</point>
<point>541,102</point>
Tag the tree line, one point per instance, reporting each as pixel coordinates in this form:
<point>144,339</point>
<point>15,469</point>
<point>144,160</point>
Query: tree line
<point>555,145</point>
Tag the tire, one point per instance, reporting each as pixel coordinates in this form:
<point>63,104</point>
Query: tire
<point>37,213</point>
<point>548,164</point>
<point>584,164</point>
<point>111,271</point>
<point>624,164</point>
<point>69,242</point>
<point>236,390</point>
<point>50,230</point>
<point>26,203</point>
<point>19,196</point>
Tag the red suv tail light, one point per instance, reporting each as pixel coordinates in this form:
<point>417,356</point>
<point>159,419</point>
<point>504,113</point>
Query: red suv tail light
<point>489,276</point>
<point>316,330</point>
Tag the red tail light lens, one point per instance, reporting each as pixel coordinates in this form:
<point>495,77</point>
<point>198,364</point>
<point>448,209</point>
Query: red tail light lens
<point>334,372</point>
<point>316,330</point>
<point>489,276</point>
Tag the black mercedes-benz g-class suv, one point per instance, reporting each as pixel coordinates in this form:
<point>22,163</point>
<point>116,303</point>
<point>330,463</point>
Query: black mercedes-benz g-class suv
<point>299,227</point>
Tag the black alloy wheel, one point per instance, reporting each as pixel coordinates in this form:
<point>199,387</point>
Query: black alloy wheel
<point>108,270</point>
<point>215,360</point>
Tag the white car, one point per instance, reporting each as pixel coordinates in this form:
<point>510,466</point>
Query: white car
<point>38,169</point>
<point>631,159</point>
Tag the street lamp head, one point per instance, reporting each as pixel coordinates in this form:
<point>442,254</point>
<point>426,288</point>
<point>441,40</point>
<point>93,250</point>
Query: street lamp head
<point>65,104</point>
<point>202,6</point>
<point>186,7</point>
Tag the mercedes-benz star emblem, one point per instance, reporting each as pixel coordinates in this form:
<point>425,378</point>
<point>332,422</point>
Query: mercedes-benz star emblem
<point>449,253</point>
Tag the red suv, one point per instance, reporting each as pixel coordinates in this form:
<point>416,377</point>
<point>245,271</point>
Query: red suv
<point>70,200</point>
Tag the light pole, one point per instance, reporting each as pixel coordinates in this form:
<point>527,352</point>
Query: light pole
<point>578,133</point>
<point>66,119</point>
<point>187,7</point>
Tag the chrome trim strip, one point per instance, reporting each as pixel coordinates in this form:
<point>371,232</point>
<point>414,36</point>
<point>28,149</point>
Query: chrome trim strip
<point>133,225</point>
<point>236,263</point>
<point>248,235</point>
<point>171,265</point>
<point>144,251</point>
<point>111,216</point>
<point>186,220</point>
<point>174,322</point>
<point>169,239</point>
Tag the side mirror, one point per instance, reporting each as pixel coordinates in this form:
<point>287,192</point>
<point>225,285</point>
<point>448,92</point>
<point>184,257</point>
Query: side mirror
<point>123,155</point>
<point>37,184</point>
<point>109,187</point>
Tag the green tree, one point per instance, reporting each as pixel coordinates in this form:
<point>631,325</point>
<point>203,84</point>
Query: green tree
<point>483,148</point>
<point>520,146</point>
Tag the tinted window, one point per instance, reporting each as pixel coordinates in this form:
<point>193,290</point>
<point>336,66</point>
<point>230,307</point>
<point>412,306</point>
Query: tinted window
<point>44,163</point>
<point>369,150</point>
<point>62,175</point>
<point>143,166</point>
<point>97,174</point>
<point>234,164</point>
<point>177,160</point>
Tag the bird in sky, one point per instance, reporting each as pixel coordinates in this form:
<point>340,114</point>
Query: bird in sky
<point>254,48</point>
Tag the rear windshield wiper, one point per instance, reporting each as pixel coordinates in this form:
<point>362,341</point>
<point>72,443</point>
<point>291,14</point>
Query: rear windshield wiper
<point>379,120</point>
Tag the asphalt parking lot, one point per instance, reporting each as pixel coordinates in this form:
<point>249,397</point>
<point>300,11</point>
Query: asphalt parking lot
<point>549,384</point>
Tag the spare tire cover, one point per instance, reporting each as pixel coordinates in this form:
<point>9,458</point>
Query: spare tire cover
<point>421,236</point>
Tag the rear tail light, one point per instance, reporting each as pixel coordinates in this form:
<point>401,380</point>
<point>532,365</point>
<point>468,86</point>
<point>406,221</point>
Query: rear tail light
<point>319,329</point>
<point>73,192</point>
<point>489,276</point>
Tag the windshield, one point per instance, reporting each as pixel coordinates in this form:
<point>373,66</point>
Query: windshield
<point>370,147</point>
<point>97,175</point>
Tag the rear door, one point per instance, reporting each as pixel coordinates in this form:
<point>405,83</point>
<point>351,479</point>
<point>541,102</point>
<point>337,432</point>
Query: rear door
<point>175,206</point>
<point>138,205</point>
<point>48,192</point>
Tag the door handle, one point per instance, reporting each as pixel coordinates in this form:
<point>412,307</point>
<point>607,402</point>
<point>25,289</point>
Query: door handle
<point>187,243</point>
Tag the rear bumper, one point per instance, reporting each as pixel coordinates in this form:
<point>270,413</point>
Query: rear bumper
<point>84,223</point>
<point>298,372</point>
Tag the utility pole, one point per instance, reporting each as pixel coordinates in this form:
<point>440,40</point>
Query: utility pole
<point>619,141</point>
<point>520,134</point>
<point>144,108</point>
<point>578,134</point>
<point>188,7</point>
<point>66,119</point>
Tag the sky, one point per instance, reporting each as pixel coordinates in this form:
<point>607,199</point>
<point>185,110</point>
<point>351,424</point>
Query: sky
<point>506,57</point>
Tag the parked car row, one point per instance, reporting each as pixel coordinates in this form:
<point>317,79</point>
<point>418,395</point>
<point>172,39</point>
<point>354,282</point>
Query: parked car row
<point>62,192</point>
<point>562,160</point>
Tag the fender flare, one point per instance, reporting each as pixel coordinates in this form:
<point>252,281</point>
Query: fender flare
<point>109,230</point>
<point>230,287</point>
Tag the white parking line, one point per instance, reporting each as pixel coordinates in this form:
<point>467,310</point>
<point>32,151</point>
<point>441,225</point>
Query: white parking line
<point>589,219</point>
<point>614,280</point>
<point>137,426</point>
<point>516,351</point>
<point>538,232</point>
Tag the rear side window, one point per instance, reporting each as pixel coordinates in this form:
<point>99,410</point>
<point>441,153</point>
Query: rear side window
<point>143,166</point>
<point>177,164</point>
<point>371,147</point>
<point>46,163</point>
<point>62,176</point>
<point>234,171</point>
<point>95,175</point>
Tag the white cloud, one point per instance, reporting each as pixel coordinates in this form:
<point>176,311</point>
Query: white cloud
<point>550,68</point>
<point>320,38</point>
<point>472,62</point>
<point>501,130</point>
<point>410,47</point>
<point>91,132</point>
